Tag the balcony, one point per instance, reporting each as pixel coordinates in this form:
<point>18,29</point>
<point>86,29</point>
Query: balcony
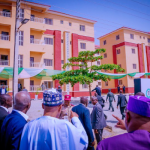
<point>36,19</point>
<point>36,41</point>
<point>5,41</point>
<point>5,18</point>
<point>37,64</point>
<point>35,88</point>
<point>4,62</point>
<point>5,14</point>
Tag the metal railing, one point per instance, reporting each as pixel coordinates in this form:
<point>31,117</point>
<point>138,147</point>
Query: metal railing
<point>37,64</point>
<point>36,19</point>
<point>36,41</point>
<point>4,37</point>
<point>5,86</point>
<point>5,14</point>
<point>35,88</point>
<point>4,62</point>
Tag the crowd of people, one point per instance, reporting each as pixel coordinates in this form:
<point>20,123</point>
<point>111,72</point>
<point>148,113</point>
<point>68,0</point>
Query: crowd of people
<point>67,127</point>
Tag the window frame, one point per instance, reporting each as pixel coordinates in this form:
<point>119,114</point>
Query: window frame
<point>134,66</point>
<point>48,62</point>
<point>84,86</point>
<point>83,45</point>
<point>20,61</point>
<point>120,82</point>
<point>133,51</point>
<point>106,83</point>
<point>48,41</point>
<point>70,24</point>
<point>104,42</point>
<point>21,38</point>
<point>118,51</point>
<point>148,40</point>
<point>48,21</point>
<point>82,27</point>
<point>61,22</point>
<point>131,36</point>
<point>105,55</point>
<point>117,37</point>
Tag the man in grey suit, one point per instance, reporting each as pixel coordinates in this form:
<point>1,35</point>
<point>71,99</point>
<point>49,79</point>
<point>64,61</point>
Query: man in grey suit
<point>111,97</point>
<point>122,102</point>
<point>97,119</point>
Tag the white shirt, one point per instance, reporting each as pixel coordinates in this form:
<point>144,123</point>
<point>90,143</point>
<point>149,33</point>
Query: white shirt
<point>3,91</point>
<point>22,114</point>
<point>49,133</point>
<point>4,108</point>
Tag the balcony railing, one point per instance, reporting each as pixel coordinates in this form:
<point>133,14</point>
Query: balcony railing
<point>4,37</point>
<point>37,64</point>
<point>35,88</point>
<point>5,86</point>
<point>36,19</point>
<point>36,41</point>
<point>4,62</point>
<point>5,14</point>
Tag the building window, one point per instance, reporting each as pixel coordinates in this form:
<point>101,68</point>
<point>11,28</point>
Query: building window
<point>133,51</point>
<point>70,24</point>
<point>99,83</point>
<point>84,86</point>
<point>148,40</point>
<point>21,38</point>
<point>48,41</point>
<point>134,66</point>
<point>83,45</point>
<point>98,63</point>
<point>106,83</point>
<point>48,84</point>
<point>6,13</point>
<point>20,61</point>
<point>131,36</point>
<point>118,51</point>
<point>62,41</point>
<point>105,55</point>
<point>70,42</point>
<point>119,65</point>
<point>104,42</point>
<point>120,82</point>
<point>143,37</point>
<point>5,36</point>
<point>21,15</point>
<point>140,37</point>
<point>82,28</point>
<point>62,62</point>
<point>117,37</point>
<point>48,21</point>
<point>31,61</point>
<point>32,17</point>
<point>61,21</point>
<point>4,60</point>
<point>48,62</point>
<point>31,38</point>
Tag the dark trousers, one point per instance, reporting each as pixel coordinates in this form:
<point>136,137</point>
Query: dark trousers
<point>122,112</point>
<point>99,135</point>
<point>124,90</point>
<point>90,147</point>
<point>111,106</point>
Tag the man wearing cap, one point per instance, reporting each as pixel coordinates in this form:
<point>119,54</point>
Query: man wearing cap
<point>66,108</point>
<point>137,124</point>
<point>50,133</point>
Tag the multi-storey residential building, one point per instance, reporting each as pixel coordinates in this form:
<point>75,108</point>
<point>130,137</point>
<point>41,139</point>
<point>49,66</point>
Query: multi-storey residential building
<point>47,40</point>
<point>128,48</point>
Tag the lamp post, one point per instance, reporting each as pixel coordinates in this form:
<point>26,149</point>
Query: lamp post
<point>16,48</point>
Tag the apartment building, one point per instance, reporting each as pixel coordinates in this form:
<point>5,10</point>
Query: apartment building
<point>128,48</point>
<point>47,40</point>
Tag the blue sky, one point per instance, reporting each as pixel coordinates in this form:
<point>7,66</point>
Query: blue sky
<point>109,14</point>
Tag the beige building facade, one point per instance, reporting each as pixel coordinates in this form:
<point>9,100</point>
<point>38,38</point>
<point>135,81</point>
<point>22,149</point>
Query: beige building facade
<point>44,42</point>
<point>127,48</point>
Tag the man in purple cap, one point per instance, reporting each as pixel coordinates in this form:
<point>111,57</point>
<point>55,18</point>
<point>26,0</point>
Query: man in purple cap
<point>137,124</point>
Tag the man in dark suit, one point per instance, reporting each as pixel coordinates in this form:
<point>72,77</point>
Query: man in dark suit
<point>110,97</point>
<point>118,88</point>
<point>5,103</point>
<point>84,117</point>
<point>124,89</point>
<point>97,119</point>
<point>122,102</point>
<point>100,100</point>
<point>98,90</point>
<point>3,90</point>
<point>13,124</point>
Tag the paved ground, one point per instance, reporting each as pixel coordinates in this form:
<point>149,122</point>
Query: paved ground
<point>37,111</point>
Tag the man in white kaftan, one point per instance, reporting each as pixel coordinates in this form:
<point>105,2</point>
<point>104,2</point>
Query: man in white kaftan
<point>50,133</point>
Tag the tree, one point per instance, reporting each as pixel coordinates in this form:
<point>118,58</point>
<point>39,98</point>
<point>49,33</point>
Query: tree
<point>86,72</point>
